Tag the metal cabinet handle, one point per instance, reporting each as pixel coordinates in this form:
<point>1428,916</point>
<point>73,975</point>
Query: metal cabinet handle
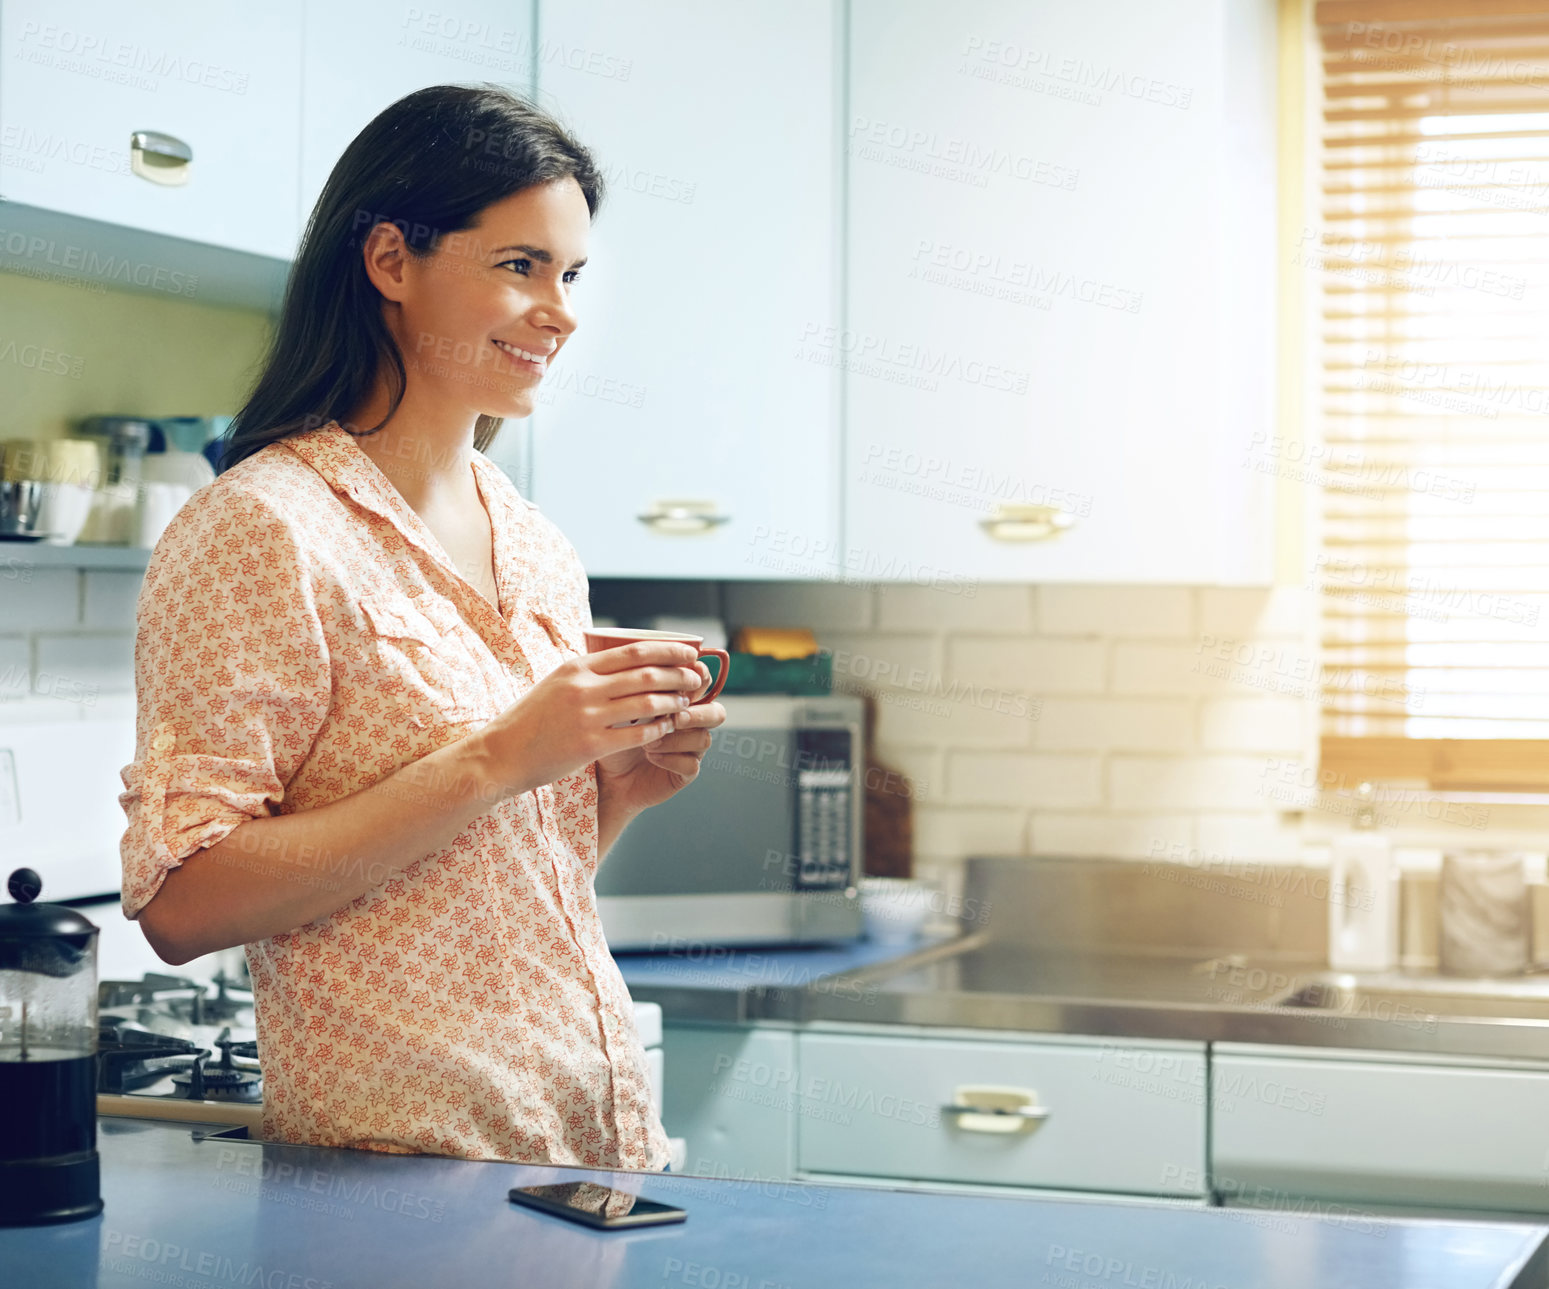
<point>1012,522</point>
<point>677,518</point>
<point>161,158</point>
<point>1032,1113</point>
<point>995,1108</point>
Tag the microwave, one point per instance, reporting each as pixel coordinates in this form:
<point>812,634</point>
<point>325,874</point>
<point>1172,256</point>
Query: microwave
<point>765,846</point>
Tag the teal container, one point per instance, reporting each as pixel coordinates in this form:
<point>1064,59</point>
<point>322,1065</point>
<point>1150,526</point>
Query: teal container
<point>756,673</point>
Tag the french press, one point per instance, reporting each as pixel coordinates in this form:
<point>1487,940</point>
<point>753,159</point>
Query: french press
<point>48,1060</point>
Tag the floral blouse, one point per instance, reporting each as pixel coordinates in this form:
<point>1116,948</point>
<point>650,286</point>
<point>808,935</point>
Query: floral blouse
<point>301,635</point>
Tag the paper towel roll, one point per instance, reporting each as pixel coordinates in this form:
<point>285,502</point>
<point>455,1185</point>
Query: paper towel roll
<point>1485,927</point>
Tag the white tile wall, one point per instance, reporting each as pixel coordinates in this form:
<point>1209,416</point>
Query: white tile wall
<point>1125,721</point>
<point>971,607</point>
<point>1145,611</point>
<point>67,646</point>
<point>1081,720</point>
<point>1085,721</point>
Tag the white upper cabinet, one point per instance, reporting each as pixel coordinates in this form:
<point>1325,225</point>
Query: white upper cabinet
<point>178,118</point>
<point>359,58</point>
<point>690,394</point>
<point>1060,265</point>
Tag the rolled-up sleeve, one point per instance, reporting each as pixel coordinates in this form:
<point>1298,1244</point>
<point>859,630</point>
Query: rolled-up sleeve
<point>232,682</point>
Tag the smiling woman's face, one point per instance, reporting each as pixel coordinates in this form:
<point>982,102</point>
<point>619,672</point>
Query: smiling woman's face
<point>481,318</point>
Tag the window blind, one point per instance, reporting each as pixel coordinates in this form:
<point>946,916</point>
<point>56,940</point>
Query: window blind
<point>1432,259</point>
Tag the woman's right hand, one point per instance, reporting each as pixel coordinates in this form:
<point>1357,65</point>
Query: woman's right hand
<point>562,723</point>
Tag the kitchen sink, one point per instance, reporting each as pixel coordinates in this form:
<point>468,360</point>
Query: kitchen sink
<point>1526,999</point>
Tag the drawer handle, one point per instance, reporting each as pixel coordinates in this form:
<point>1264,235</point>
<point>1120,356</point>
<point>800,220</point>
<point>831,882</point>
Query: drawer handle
<point>679,517</point>
<point>161,158</point>
<point>1019,523</point>
<point>988,1108</point>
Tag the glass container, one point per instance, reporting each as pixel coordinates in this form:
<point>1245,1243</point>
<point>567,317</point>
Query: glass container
<point>48,1060</point>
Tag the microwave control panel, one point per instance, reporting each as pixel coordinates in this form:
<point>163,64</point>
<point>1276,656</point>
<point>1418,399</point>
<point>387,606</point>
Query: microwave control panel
<point>825,806</point>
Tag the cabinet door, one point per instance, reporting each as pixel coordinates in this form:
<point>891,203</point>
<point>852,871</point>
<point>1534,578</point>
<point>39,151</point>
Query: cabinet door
<point>714,254</point>
<point>359,58</point>
<point>1060,258</point>
<point>730,1093</point>
<point>1119,1117</point>
<point>1358,1132</point>
<point>82,76</point>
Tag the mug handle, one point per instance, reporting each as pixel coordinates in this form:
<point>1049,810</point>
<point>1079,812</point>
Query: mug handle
<point>720,675</point>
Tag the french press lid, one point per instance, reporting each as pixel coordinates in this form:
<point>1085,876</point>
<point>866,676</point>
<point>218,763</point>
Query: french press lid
<point>49,939</point>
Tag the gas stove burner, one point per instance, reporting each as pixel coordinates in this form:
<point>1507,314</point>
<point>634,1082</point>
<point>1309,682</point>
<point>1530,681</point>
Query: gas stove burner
<point>153,988</point>
<point>130,1056</point>
<point>218,1083</point>
<point>212,1011</point>
<point>175,998</point>
<point>223,1082</point>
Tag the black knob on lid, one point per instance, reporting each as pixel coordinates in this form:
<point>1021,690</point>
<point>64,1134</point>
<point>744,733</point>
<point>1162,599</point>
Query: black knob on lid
<point>25,885</point>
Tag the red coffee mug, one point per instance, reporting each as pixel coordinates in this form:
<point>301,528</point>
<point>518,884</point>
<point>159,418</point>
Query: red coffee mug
<point>600,638</point>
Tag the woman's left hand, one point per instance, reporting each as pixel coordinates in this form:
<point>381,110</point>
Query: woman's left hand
<point>638,778</point>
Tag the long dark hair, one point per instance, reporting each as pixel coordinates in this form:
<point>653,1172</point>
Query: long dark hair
<point>430,163</point>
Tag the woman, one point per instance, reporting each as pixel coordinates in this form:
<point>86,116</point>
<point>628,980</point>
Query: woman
<point>371,745</point>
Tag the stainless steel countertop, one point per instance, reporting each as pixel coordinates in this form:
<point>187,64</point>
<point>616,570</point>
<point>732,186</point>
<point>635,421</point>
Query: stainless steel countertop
<point>976,983</point>
<point>1148,951</point>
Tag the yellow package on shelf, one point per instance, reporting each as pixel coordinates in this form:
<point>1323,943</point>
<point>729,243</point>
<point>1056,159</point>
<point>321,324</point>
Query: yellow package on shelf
<point>775,642</point>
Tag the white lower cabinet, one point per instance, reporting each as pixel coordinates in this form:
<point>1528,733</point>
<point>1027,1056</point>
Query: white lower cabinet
<point>1104,1119</point>
<point>1369,1129</point>
<point>729,1095</point>
<point>1077,1115</point>
<point>1289,1129</point>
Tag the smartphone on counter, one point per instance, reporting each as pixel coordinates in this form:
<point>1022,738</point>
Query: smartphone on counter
<point>595,1205</point>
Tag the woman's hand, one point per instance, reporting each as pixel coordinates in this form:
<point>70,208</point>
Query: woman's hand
<point>563,722</point>
<point>638,778</point>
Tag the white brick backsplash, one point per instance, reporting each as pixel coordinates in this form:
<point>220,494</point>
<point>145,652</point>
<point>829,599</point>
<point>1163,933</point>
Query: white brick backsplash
<point>1186,783</point>
<point>15,668</point>
<point>991,607</point>
<point>1113,737</point>
<point>1254,724</point>
<point>797,604</point>
<point>109,599</point>
<point>944,832</point>
<point>1115,724</point>
<point>1101,835</point>
<point>83,666</point>
<point>1250,837</point>
<point>1029,666</point>
<point>876,659</point>
<point>1237,613</point>
<point>1165,670</point>
<point>1122,612</point>
<point>39,599</point>
<point>1023,779</point>
<point>910,718</point>
<point>924,767</point>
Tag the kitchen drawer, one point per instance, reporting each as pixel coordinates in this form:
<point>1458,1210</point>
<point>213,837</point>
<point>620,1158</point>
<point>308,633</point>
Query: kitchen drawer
<point>1120,1117</point>
<point>1372,1131</point>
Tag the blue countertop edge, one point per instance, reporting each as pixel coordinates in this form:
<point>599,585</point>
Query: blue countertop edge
<point>189,1212</point>
<point>695,966</point>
